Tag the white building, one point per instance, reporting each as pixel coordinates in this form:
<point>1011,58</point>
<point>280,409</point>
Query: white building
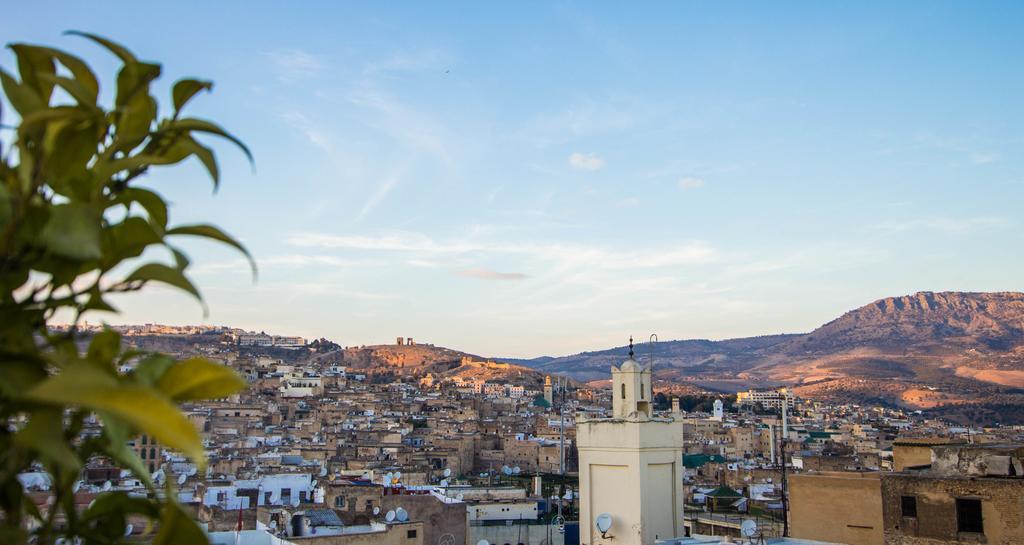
<point>769,399</point>
<point>631,466</point>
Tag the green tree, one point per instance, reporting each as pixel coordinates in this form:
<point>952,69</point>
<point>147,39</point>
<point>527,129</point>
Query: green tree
<point>540,401</point>
<point>74,225</point>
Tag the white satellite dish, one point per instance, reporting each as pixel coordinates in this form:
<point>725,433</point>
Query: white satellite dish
<point>483,542</point>
<point>107,486</point>
<point>401,514</point>
<point>390,517</point>
<point>516,470</point>
<point>376,510</point>
<point>506,470</point>
<point>447,472</point>
<point>459,497</point>
<point>748,528</point>
<point>182,478</point>
<point>273,525</point>
<point>444,482</point>
<point>129,529</point>
<point>603,522</point>
<point>398,475</point>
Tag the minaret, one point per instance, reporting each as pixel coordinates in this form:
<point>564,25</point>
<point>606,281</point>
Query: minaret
<point>631,466</point>
<point>631,388</point>
<point>548,391</point>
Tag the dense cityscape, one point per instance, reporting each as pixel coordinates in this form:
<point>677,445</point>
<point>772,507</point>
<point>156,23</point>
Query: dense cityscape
<point>407,444</point>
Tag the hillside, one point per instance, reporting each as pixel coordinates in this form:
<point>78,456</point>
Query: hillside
<point>926,350</point>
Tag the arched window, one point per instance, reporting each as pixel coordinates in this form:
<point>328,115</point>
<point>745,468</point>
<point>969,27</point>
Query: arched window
<point>143,439</point>
<point>641,390</point>
<point>152,453</point>
<point>623,391</point>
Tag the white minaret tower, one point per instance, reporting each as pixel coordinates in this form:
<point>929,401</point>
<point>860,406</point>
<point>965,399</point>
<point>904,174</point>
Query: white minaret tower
<point>718,411</point>
<point>631,466</point>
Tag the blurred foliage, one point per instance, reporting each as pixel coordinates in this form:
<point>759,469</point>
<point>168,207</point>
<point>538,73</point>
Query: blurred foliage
<point>74,224</point>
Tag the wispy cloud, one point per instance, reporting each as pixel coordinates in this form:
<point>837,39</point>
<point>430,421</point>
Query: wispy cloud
<point>316,136</point>
<point>957,226</point>
<point>490,274</point>
<point>292,65</point>
<point>378,195</point>
<point>691,183</point>
<point>586,161</point>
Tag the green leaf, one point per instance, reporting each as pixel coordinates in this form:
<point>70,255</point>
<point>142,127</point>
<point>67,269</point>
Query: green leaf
<point>73,231</point>
<point>115,48</point>
<point>24,100</point>
<point>201,125</point>
<point>144,407</point>
<point>128,239</point>
<point>151,368</point>
<point>81,72</point>
<point>185,89</point>
<point>199,378</point>
<point>74,88</point>
<point>158,272</point>
<point>212,232</point>
<point>105,346</point>
<point>177,527</point>
<point>117,435</point>
<point>149,200</point>
<point>44,433</point>
<point>34,65</point>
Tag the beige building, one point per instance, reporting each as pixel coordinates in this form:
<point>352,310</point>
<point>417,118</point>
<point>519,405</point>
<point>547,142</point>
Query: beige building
<point>631,466</point>
<point>968,494</point>
<point>836,506</point>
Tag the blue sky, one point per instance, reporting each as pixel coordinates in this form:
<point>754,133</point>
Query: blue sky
<point>546,178</point>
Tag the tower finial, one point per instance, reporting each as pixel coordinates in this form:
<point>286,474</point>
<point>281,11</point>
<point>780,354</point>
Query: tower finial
<point>630,347</point>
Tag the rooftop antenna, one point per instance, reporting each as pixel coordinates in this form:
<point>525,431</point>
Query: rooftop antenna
<point>650,354</point>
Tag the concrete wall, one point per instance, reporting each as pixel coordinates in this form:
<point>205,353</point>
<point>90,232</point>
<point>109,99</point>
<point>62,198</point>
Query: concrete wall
<point>527,534</point>
<point>936,521</point>
<point>396,534</point>
<point>840,507</point>
<point>439,519</point>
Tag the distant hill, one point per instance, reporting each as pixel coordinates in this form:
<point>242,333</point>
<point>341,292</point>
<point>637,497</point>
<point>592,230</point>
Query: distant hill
<point>925,350</point>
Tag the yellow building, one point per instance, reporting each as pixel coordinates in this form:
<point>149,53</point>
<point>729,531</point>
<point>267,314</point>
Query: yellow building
<point>631,466</point>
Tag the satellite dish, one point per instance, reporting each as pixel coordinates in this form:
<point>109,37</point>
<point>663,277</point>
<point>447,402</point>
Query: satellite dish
<point>376,510</point>
<point>444,482</point>
<point>506,470</point>
<point>516,470</point>
<point>603,522</point>
<point>182,478</point>
<point>459,497</point>
<point>483,542</point>
<point>273,525</point>
<point>107,486</point>
<point>748,528</point>
<point>401,514</point>
<point>447,472</point>
<point>398,475</point>
<point>129,529</point>
<point>390,517</point>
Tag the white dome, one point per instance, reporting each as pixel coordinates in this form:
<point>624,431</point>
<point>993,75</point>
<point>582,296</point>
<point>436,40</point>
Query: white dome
<point>630,365</point>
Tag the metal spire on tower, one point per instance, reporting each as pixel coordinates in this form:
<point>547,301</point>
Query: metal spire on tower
<point>630,347</point>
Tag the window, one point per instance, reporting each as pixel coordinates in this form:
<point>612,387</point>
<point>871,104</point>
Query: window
<point>968,516</point>
<point>908,506</point>
<point>339,501</point>
<point>410,534</point>
<point>286,495</point>
<point>623,391</point>
<point>152,453</point>
<point>641,390</point>
<point>143,439</point>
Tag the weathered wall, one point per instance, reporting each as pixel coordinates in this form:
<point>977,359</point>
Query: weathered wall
<point>840,507</point>
<point>936,522</point>
<point>527,534</point>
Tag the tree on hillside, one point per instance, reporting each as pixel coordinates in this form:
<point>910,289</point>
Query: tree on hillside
<point>75,222</point>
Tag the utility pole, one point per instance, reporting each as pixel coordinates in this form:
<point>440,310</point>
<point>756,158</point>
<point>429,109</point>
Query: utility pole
<point>782,459</point>
<point>561,448</point>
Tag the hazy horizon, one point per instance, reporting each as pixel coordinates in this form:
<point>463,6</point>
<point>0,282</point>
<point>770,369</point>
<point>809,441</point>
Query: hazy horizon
<point>550,180</point>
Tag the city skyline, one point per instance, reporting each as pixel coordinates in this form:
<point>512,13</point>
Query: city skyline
<point>550,180</point>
